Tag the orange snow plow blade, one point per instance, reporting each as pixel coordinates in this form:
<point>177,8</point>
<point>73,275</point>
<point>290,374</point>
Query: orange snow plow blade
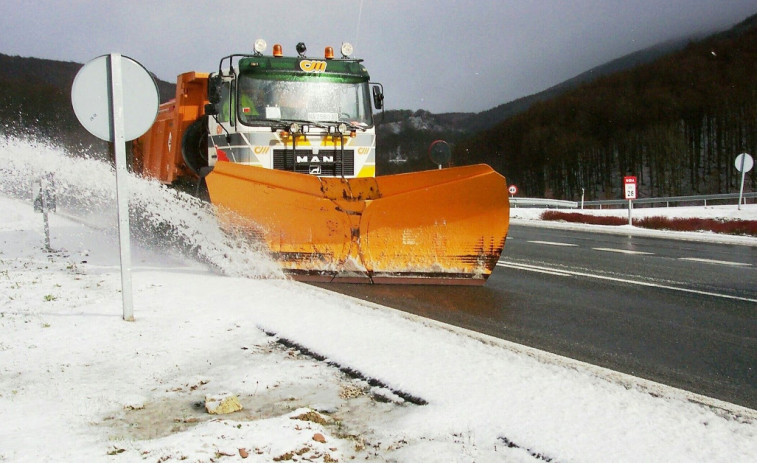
<point>434,227</point>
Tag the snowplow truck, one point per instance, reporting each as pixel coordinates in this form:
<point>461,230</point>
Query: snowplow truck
<point>285,147</point>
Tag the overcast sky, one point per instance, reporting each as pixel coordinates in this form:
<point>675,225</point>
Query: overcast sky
<point>442,56</point>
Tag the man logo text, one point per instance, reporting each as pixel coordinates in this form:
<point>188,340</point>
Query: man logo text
<point>302,159</point>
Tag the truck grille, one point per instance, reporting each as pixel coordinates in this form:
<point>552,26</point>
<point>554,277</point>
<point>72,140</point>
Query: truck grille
<point>325,163</point>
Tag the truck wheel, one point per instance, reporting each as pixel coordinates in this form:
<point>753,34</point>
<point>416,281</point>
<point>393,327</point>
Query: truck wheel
<point>194,145</point>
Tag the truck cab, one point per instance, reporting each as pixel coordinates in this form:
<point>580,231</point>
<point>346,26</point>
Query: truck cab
<point>300,114</point>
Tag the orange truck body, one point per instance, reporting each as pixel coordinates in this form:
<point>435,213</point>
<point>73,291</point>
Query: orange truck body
<point>157,153</point>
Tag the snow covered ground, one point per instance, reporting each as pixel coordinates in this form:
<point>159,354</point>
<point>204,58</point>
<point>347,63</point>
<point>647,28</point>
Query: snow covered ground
<point>531,217</point>
<point>77,383</point>
<point>720,212</point>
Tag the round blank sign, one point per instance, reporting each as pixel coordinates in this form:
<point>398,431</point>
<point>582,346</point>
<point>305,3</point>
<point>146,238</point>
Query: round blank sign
<point>746,159</point>
<point>91,97</point>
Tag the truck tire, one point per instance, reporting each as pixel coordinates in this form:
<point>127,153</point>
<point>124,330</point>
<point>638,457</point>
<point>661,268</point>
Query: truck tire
<point>194,146</point>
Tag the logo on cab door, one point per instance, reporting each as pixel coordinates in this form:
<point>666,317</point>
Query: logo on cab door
<point>313,66</point>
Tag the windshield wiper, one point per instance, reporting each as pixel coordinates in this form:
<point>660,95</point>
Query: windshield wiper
<point>286,123</point>
<point>350,124</point>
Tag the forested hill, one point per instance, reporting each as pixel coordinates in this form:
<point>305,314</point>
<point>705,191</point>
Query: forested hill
<point>35,99</point>
<point>490,117</point>
<point>676,123</point>
<point>404,135</point>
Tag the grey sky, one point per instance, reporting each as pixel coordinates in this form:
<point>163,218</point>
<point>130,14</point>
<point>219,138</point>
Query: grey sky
<point>441,55</point>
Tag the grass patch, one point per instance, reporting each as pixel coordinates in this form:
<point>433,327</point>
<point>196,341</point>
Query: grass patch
<point>730,227</point>
<point>576,217</point>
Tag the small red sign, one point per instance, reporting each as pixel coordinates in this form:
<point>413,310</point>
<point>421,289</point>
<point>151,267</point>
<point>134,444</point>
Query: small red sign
<point>513,190</point>
<point>629,184</point>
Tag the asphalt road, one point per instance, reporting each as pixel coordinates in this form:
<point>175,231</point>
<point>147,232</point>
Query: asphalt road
<point>676,312</point>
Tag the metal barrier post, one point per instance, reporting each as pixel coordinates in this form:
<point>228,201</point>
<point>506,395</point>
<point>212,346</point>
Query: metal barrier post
<point>43,197</point>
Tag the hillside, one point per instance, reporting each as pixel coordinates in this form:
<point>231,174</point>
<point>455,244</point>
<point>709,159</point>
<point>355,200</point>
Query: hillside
<point>35,100</point>
<point>676,123</point>
<point>405,135</point>
<point>573,135</point>
<point>489,118</point>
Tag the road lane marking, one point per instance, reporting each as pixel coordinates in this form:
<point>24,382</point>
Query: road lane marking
<point>561,272</point>
<point>553,243</point>
<point>533,268</point>
<point>624,251</point>
<point>718,262</point>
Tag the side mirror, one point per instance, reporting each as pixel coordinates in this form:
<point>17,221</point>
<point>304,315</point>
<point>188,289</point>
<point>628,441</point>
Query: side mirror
<point>214,89</point>
<point>211,109</point>
<point>378,96</point>
<point>440,152</point>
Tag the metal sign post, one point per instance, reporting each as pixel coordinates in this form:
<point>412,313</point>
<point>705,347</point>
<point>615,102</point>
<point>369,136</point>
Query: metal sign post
<point>43,197</point>
<point>122,198</point>
<point>440,152</point>
<point>513,190</point>
<point>582,198</point>
<point>629,183</point>
<point>744,164</point>
<point>116,99</point>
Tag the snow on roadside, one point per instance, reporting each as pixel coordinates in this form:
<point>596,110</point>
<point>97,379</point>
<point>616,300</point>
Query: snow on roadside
<point>721,212</point>
<point>79,384</point>
<point>531,216</point>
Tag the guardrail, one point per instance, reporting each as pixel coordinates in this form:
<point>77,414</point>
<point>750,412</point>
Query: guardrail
<point>540,202</point>
<point>558,203</point>
<point>671,199</point>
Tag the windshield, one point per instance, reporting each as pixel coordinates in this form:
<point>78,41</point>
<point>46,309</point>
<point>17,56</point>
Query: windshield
<point>262,99</point>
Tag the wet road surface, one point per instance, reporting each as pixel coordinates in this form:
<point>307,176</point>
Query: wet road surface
<point>676,312</point>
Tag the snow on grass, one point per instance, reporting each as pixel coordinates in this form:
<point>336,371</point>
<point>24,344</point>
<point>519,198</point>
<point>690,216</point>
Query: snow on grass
<point>721,212</point>
<point>77,383</point>
<point>748,212</point>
